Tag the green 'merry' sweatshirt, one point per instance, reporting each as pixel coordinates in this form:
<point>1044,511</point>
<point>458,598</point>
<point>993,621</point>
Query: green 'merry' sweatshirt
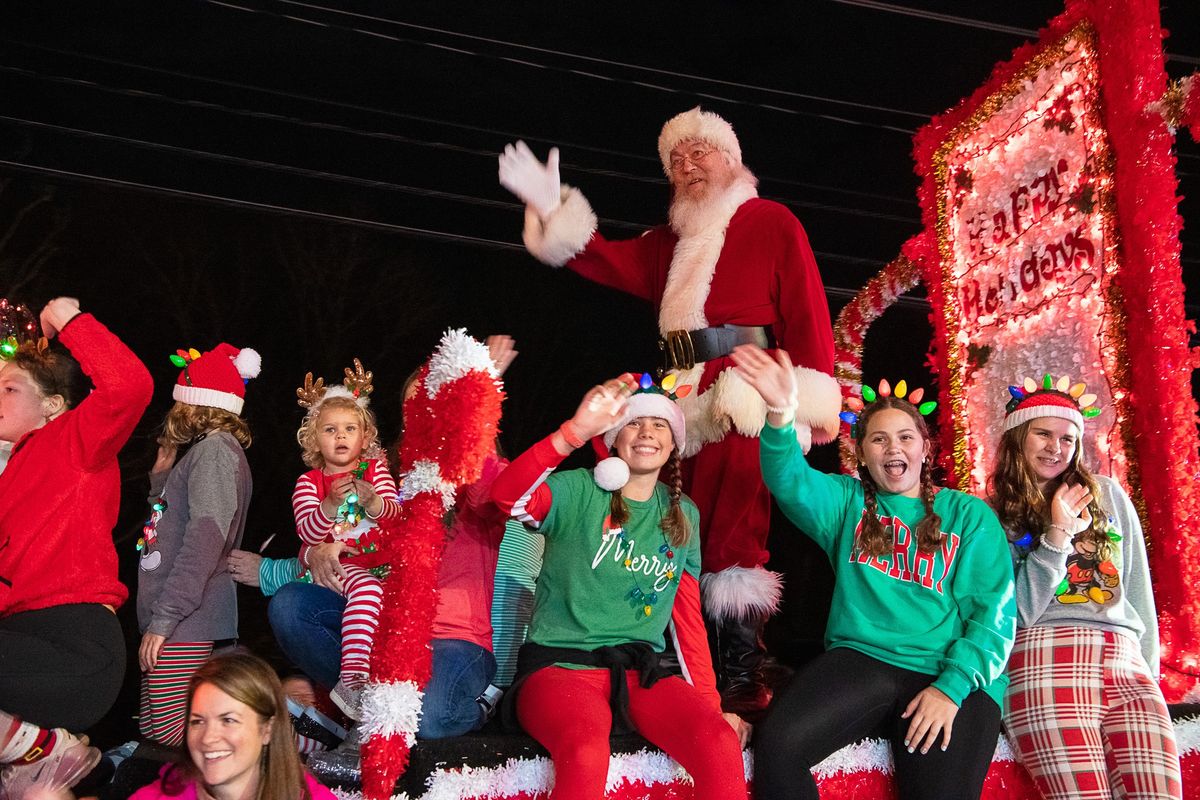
<point>950,613</point>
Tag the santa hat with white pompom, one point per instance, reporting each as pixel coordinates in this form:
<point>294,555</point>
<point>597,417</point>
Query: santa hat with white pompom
<point>647,400</point>
<point>217,378</point>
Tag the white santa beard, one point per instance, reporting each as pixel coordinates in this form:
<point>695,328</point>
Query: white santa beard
<point>700,225</point>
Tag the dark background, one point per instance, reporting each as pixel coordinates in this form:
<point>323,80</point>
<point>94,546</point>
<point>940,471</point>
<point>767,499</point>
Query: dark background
<point>317,181</point>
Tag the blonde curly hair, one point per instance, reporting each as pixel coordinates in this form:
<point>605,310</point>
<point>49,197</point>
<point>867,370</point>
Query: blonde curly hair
<point>307,434</point>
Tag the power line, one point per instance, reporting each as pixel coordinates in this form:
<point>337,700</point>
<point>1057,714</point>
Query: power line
<point>604,61</point>
<point>592,75</point>
<point>970,22</point>
<point>793,202</point>
<point>505,134</point>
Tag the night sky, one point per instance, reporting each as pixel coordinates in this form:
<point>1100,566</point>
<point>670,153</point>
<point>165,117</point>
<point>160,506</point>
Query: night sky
<point>319,181</point>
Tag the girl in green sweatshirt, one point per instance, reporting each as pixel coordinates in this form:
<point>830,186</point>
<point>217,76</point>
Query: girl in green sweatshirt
<point>922,618</point>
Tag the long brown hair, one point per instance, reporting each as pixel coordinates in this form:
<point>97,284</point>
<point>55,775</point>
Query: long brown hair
<point>184,422</point>
<point>873,539</point>
<point>250,680</point>
<point>674,523</point>
<point>1024,508</point>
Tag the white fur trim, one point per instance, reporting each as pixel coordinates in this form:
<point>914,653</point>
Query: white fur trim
<point>702,427</point>
<point>738,592</point>
<point>1032,412</point>
<point>869,755</point>
<point>426,476</point>
<point>536,776</point>
<point>390,709</point>
<point>564,235</point>
<point>700,126</point>
<point>248,363</point>
<point>820,401</point>
<point>611,474</point>
<point>1187,736</point>
<point>648,404</point>
<point>456,355</point>
<point>694,262</point>
<point>198,396</point>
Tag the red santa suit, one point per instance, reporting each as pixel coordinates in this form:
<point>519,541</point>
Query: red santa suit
<point>751,265</point>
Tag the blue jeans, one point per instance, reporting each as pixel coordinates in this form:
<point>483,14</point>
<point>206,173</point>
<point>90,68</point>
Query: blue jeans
<point>307,621</point>
<point>461,671</point>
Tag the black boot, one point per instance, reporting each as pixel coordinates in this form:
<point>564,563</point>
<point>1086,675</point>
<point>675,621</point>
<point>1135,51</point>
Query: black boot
<point>742,657</point>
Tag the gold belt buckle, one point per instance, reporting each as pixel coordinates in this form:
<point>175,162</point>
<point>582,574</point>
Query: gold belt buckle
<point>678,349</point>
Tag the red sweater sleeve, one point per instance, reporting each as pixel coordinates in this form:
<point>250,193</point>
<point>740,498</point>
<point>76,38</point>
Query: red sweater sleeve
<point>102,423</point>
<point>520,490</point>
<point>312,525</point>
<point>385,486</point>
<point>691,640</point>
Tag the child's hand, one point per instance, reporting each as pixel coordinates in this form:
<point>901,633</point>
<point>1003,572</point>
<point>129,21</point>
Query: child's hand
<point>165,459</point>
<point>500,350</point>
<point>57,313</point>
<point>148,652</point>
<point>367,498</point>
<point>341,488</point>
<point>602,407</point>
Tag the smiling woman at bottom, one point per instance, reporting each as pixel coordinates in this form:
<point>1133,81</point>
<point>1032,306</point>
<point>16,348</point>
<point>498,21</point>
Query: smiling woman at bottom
<point>239,743</point>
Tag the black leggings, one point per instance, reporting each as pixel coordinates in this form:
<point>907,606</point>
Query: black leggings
<point>61,667</point>
<point>844,696</point>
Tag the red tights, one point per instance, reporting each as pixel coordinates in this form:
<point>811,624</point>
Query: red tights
<point>567,711</point>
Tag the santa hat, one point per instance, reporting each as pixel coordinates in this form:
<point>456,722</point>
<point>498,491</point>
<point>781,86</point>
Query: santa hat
<point>1053,399</point>
<point>647,400</point>
<point>697,126</point>
<point>217,378</point>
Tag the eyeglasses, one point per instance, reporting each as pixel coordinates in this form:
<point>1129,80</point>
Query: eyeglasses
<point>696,156</point>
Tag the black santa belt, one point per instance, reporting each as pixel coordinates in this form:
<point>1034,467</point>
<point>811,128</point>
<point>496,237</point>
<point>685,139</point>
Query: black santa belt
<point>684,349</point>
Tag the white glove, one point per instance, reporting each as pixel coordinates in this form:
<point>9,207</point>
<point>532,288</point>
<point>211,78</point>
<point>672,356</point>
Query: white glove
<point>535,183</point>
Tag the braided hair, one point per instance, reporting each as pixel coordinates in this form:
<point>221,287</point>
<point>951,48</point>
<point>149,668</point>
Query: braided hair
<point>674,523</point>
<point>873,539</point>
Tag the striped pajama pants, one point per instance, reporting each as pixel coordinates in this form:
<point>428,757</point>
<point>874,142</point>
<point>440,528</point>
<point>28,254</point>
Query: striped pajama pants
<point>364,600</point>
<point>165,688</point>
<point>1086,717</point>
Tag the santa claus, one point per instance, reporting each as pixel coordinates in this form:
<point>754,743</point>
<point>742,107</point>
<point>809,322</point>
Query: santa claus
<point>729,268</point>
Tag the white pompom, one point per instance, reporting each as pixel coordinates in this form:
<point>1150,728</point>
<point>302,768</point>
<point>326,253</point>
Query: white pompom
<point>611,474</point>
<point>248,363</point>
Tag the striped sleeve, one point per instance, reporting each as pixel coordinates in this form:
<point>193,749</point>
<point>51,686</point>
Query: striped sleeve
<point>521,490</point>
<point>385,486</point>
<point>312,526</point>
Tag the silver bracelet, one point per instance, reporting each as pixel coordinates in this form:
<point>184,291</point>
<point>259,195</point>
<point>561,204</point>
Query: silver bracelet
<point>782,410</point>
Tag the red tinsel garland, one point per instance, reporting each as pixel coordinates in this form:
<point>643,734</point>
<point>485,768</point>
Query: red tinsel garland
<point>448,435</point>
<point>1160,362</point>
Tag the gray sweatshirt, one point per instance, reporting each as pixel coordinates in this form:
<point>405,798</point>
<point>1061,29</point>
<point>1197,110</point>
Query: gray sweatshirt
<point>1114,596</point>
<point>189,596</point>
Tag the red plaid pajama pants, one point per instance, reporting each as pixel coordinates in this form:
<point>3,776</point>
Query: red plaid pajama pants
<point>1086,717</point>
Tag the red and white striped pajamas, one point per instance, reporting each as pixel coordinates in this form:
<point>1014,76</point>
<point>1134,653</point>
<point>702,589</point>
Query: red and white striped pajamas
<point>165,688</point>
<point>363,590</point>
<point>1086,717</point>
